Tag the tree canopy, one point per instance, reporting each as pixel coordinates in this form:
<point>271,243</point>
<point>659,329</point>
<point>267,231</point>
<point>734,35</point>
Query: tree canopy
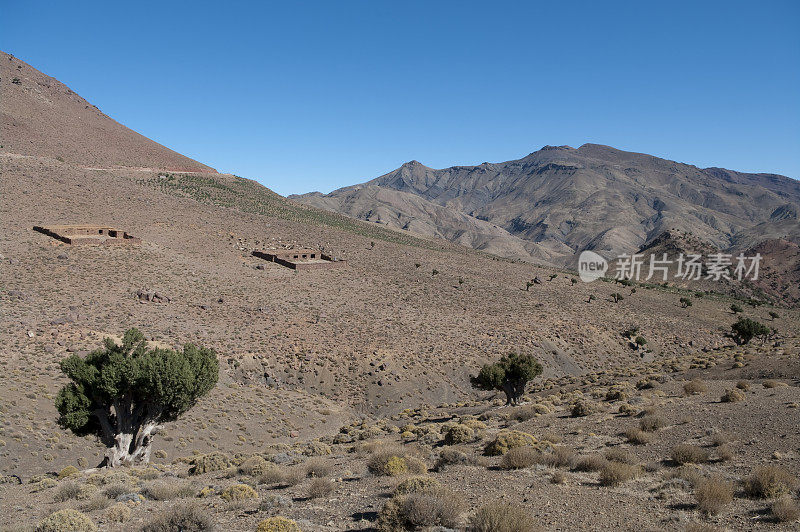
<point>123,392</point>
<point>510,374</point>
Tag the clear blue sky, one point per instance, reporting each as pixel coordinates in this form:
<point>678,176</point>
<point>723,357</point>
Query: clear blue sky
<point>315,95</point>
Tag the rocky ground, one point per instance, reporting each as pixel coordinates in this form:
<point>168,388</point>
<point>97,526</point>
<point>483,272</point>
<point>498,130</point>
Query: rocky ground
<point>402,327</point>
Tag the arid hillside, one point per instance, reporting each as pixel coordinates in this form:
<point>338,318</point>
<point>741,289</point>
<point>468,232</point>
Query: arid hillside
<point>338,385</point>
<point>40,116</point>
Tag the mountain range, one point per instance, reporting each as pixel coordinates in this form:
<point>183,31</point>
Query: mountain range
<point>558,201</point>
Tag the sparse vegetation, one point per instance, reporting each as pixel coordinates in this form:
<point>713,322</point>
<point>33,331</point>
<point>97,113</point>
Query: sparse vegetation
<point>694,387</point>
<point>769,482</point>
<point>507,440</point>
<point>746,329</point>
<point>685,453</point>
<point>501,517</point>
<point>713,494</point>
<point>180,518</point>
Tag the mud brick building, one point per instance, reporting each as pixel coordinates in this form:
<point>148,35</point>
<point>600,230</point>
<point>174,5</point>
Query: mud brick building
<point>93,235</point>
<point>300,259</point>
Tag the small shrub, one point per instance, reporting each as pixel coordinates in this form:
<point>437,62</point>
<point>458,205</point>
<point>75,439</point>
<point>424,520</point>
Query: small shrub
<point>238,492</point>
<point>743,385</point>
<point>67,472</point>
<point>519,458</point>
<point>581,409</point>
<point>724,453</point>
<point>685,453</point>
<point>449,456</point>
<point>558,477</point>
<point>620,455</point>
<point>394,461</point>
<point>439,507</point>
<point>254,466</point>
<point>694,387</point>
<point>501,517</point>
<point>652,422</point>
<point>320,487</point>
<point>638,436</point>
<point>771,383</point>
<point>66,491</point>
<point>786,510</point>
<point>207,463</point>
<point>67,520</point>
<point>118,513</point>
<point>181,518</point>
<point>278,524</point>
<point>769,482</point>
<point>713,494</point>
<point>507,440</point>
<point>318,468</point>
<point>589,463</point>
<point>416,484</point>
<point>732,395</point>
<point>558,456</point>
<point>616,473</point>
<point>459,434</point>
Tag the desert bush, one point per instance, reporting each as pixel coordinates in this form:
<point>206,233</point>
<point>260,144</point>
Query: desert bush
<point>501,517</point>
<point>558,477</point>
<point>67,520</point>
<point>416,484</point>
<point>620,455</point>
<point>557,456</point>
<point>320,487</point>
<point>589,463</point>
<point>394,461</point>
<point>616,473</point>
<point>449,456</point>
<point>96,503</point>
<point>316,448</point>
<point>118,513</point>
<point>685,453</point>
<point>66,491</point>
<point>626,410</point>
<point>254,466</point>
<point>459,434</point>
<point>769,383</point>
<point>724,453</point>
<point>165,490</point>
<point>238,492</point>
<point>786,510</point>
<point>112,491</point>
<point>743,385</point>
<point>181,518</point>
<point>616,394</point>
<point>769,482</point>
<point>638,436</point>
<point>207,463</point>
<point>652,422</point>
<point>438,507</point>
<point>732,395</point>
<point>278,524</point>
<point>713,494</point>
<point>519,458</point>
<point>507,440</point>
<point>694,387</point>
<point>272,474</point>
<point>550,437</point>
<point>581,408</point>
<point>67,472</point>
<point>317,468</point>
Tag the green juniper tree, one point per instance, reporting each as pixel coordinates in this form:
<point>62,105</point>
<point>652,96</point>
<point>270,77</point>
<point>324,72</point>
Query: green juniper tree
<point>510,374</point>
<point>124,392</point>
<point>746,329</point>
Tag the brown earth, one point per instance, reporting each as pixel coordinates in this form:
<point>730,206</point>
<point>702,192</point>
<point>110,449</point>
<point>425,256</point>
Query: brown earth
<point>336,356</point>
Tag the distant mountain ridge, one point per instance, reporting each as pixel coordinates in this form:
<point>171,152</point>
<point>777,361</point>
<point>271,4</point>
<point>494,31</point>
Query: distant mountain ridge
<point>558,201</point>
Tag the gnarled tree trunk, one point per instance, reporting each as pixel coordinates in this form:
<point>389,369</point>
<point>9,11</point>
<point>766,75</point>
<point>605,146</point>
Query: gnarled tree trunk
<point>129,438</point>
